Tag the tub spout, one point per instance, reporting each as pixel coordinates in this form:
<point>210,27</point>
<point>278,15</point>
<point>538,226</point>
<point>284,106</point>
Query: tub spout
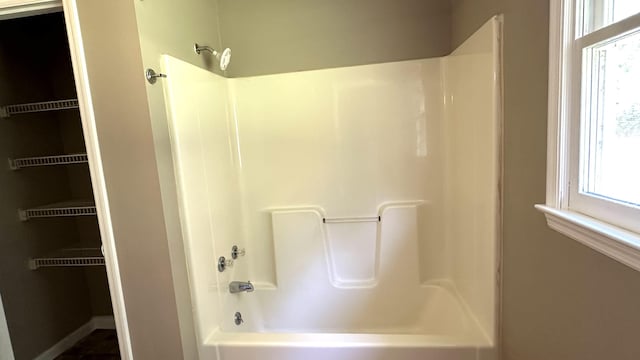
<point>240,286</point>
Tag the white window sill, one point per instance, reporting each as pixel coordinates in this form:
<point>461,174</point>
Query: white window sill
<point>617,243</point>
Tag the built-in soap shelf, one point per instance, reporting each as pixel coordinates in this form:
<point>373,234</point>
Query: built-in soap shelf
<point>37,161</point>
<point>9,110</point>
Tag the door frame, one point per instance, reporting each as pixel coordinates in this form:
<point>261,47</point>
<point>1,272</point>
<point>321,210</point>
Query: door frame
<point>23,8</point>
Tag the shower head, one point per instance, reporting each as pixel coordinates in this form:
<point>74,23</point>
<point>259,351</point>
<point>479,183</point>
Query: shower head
<point>223,57</point>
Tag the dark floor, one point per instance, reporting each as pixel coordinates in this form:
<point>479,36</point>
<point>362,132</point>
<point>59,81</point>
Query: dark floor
<point>99,345</point>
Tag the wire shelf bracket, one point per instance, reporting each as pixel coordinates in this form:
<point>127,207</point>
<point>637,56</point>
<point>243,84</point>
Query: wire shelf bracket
<point>22,163</point>
<point>73,257</point>
<point>6,111</point>
<point>66,209</point>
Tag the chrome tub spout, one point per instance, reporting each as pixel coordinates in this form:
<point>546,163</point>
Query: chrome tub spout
<point>240,286</point>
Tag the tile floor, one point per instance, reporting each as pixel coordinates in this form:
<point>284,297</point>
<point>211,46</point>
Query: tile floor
<point>99,345</point>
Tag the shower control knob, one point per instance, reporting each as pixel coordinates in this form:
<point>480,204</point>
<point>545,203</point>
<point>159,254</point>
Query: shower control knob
<point>224,263</point>
<point>235,252</point>
<point>153,76</point>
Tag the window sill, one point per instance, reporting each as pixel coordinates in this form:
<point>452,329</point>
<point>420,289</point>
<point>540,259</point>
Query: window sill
<point>617,243</point>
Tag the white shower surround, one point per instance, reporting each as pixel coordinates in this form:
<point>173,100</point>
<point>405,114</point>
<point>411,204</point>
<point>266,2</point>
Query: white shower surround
<point>261,161</point>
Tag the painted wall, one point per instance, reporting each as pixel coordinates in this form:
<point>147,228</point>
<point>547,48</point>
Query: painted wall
<point>127,147</point>
<point>561,300</point>
<point>171,27</point>
<point>278,36</point>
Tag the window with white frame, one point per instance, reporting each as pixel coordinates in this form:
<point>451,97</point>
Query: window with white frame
<point>593,187</point>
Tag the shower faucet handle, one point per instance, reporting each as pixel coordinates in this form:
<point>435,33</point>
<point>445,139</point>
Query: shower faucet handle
<point>224,263</point>
<point>235,252</point>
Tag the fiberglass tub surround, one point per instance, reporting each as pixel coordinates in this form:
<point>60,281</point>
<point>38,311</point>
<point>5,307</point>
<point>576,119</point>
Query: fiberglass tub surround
<point>366,199</point>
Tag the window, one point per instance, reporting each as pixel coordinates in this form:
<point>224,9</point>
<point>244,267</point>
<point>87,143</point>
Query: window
<point>593,187</point>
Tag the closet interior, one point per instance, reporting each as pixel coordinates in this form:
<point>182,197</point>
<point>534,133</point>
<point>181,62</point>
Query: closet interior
<point>53,281</point>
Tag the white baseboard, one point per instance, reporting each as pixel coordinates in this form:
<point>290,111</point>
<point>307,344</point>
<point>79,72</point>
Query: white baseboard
<point>96,322</point>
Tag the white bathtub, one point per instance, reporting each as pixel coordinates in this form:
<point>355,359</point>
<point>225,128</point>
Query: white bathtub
<point>442,329</point>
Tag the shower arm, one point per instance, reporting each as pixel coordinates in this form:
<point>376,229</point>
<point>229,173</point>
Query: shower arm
<point>200,48</point>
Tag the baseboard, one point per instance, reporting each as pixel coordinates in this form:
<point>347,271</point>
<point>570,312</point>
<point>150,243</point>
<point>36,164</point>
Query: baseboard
<point>96,322</point>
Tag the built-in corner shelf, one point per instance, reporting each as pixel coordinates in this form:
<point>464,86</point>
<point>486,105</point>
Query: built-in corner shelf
<point>22,163</point>
<point>62,209</point>
<point>8,110</point>
<point>69,257</point>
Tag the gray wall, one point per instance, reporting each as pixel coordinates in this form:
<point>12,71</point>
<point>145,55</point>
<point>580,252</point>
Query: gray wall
<point>561,300</point>
<point>291,35</point>
<point>115,35</point>
<point>172,27</point>
<point>41,306</point>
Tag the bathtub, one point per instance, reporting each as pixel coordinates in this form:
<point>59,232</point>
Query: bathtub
<point>322,307</point>
<point>441,329</point>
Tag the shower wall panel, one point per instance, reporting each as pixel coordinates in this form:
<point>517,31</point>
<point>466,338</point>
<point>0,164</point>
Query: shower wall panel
<point>205,158</point>
<point>473,132</point>
<point>344,142</point>
<point>355,191</point>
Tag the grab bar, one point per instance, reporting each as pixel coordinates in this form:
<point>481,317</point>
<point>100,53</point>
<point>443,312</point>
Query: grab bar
<point>352,219</point>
